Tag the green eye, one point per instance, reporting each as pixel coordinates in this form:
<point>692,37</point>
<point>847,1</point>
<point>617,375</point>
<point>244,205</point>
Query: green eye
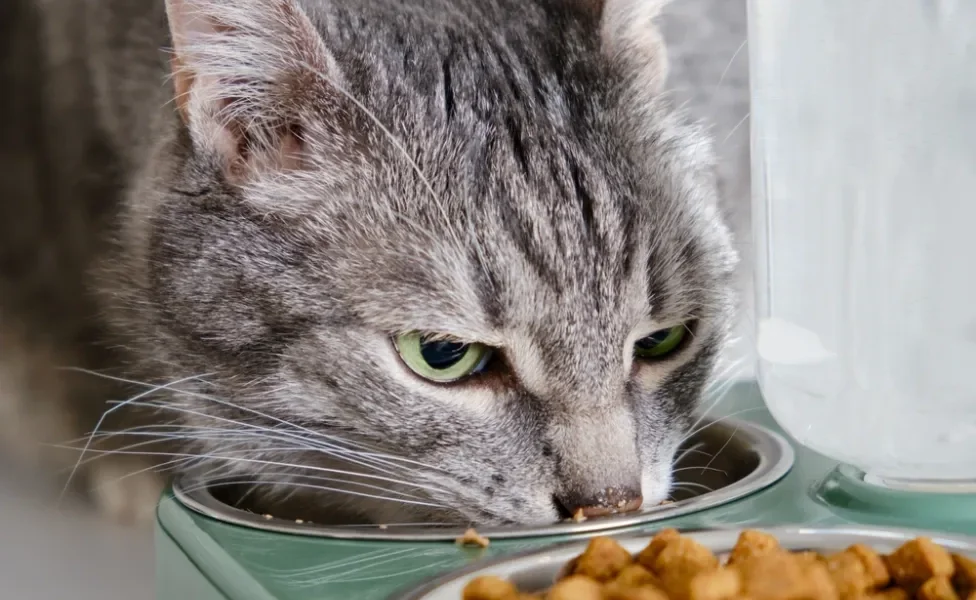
<point>661,343</point>
<point>441,361</point>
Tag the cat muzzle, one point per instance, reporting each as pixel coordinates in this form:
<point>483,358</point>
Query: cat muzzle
<point>606,502</point>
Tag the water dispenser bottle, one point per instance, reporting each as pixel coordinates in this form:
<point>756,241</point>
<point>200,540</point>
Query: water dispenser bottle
<point>864,177</point>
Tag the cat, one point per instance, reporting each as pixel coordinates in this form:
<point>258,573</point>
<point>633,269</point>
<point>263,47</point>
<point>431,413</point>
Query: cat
<point>384,260</point>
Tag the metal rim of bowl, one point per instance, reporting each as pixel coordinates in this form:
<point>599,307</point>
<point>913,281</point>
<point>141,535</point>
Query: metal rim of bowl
<point>776,457</point>
<point>719,541</point>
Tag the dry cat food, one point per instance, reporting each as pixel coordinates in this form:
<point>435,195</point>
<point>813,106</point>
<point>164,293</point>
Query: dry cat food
<point>579,516</point>
<point>472,538</point>
<point>675,567</point>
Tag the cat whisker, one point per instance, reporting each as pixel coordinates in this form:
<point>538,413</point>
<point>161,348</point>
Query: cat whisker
<point>720,385</point>
<point>169,388</point>
<point>166,430</point>
<point>724,446</point>
<point>163,467</point>
<point>719,391</point>
<point>371,558</point>
<point>300,485</point>
<point>153,389</point>
<point>693,429</point>
<point>687,451</point>
<point>339,480</point>
<point>104,416</point>
<point>725,374</point>
<point>724,385</point>
<point>735,55</point>
<point>700,468</point>
<point>349,455</point>
<point>225,435</point>
<point>228,459</point>
<point>99,452</point>
<point>725,377</point>
<point>717,421</point>
<point>345,576</point>
<point>684,485</point>
<point>392,525</point>
<point>736,127</point>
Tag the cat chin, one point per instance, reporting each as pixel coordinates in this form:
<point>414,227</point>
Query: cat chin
<point>656,484</point>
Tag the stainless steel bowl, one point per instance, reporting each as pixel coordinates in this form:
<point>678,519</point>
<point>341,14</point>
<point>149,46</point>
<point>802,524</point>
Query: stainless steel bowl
<point>725,461</point>
<point>536,570</point>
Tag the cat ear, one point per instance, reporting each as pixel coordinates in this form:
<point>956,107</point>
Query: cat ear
<point>630,37</point>
<point>247,75</point>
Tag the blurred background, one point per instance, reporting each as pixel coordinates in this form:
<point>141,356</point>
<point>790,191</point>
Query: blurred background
<point>58,550</point>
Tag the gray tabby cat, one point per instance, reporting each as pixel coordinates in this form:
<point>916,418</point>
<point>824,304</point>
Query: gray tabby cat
<point>397,260</point>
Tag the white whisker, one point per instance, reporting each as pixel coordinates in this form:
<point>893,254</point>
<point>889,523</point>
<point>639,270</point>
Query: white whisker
<point>329,439</point>
<point>342,564</point>
<point>705,468</point>
<point>105,415</point>
<point>727,442</point>
<point>736,127</point>
<point>324,489</point>
<point>731,62</point>
<point>692,484</point>
<point>351,456</point>
<point>696,448</point>
<point>717,421</point>
<point>254,461</point>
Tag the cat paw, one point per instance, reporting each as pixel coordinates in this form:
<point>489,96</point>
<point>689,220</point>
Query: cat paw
<point>125,491</point>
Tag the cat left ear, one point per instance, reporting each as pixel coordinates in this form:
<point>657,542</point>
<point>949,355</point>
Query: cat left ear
<point>247,75</point>
<point>630,37</point>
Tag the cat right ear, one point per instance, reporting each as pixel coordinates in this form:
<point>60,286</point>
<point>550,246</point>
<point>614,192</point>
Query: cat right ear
<point>248,75</point>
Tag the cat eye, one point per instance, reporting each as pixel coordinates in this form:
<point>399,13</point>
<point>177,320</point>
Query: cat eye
<point>661,343</point>
<point>440,360</point>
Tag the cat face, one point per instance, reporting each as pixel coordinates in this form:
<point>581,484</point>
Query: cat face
<point>437,264</point>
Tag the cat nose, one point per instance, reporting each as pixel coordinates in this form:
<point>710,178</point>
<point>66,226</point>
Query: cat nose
<point>608,501</point>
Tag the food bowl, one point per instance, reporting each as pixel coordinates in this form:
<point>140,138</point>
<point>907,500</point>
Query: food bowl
<point>726,460</point>
<point>538,569</point>
<point>210,548</point>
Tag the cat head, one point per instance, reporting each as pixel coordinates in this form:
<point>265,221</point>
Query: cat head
<point>436,259</point>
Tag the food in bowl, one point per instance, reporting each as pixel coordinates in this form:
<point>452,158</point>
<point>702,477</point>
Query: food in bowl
<point>676,567</point>
<point>471,537</point>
